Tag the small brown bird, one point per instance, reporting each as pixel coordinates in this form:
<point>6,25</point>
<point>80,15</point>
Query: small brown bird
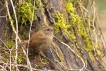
<point>40,40</point>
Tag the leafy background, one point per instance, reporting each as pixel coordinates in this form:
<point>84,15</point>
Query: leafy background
<point>75,26</point>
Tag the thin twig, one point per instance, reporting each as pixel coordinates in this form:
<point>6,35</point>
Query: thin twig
<point>11,21</point>
<point>2,68</point>
<point>16,39</point>
<point>20,65</point>
<point>28,62</point>
<point>10,60</point>
<point>74,53</point>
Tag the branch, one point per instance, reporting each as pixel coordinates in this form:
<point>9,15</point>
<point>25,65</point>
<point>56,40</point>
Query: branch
<point>73,52</point>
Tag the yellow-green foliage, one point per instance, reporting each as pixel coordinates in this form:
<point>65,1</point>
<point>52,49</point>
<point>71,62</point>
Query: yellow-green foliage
<point>38,2</point>
<point>77,21</point>
<point>97,49</point>
<point>69,7</point>
<point>74,20</point>
<point>21,58</point>
<point>9,44</point>
<point>44,60</point>
<point>60,22</point>
<point>40,6</point>
<point>26,12</point>
<point>65,26</point>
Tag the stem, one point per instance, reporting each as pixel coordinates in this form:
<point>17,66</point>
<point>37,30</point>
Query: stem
<point>28,62</point>
<point>16,39</point>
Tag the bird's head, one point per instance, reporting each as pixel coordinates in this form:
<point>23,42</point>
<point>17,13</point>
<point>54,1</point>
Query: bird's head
<point>48,30</point>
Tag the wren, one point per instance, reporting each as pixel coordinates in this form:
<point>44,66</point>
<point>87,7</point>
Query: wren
<point>40,40</point>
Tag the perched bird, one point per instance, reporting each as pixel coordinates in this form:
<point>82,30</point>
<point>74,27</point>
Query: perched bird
<point>40,40</point>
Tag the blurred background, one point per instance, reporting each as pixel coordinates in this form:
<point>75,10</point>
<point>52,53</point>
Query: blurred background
<point>101,9</point>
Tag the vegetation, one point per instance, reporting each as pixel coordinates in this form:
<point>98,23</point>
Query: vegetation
<point>74,21</point>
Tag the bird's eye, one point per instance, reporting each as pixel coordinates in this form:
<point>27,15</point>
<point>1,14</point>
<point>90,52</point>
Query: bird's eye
<point>47,29</point>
